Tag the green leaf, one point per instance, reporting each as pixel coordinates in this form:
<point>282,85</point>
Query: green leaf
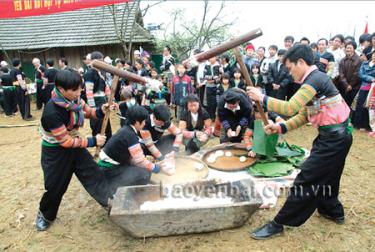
<point>271,169</point>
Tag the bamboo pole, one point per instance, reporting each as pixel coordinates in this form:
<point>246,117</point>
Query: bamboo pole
<point>246,75</point>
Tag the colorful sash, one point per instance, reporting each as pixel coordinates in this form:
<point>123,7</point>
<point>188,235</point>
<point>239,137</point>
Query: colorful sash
<point>74,107</point>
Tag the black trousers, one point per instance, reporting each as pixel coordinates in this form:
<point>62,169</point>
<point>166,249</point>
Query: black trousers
<point>164,145</point>
<point>47,92</point>
<point>349,96</point>
<point>200,92</point>
<point>39,94</point>
<point>59,164</point>
<point>23,102</point>
<point>211,93</point>
<point>96,127</point>
<point>125,175</point>
<point>96,124</point>
<point>317,185</point>
<point>10,102</point>
<point>360,117</point>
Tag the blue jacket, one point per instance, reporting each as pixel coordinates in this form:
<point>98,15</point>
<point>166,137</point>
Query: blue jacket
<point>367,74</point>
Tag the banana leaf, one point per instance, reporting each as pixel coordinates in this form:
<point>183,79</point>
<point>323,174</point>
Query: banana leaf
<point>282,163</point>
<point>263,144</point>
<point>271,169</point>
<point>285,150</point>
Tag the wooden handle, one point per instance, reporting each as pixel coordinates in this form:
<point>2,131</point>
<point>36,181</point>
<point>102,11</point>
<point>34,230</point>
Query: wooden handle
<point>246,75</point>
<point>117,71</point>
<point>228,45</point>
<point>108,113</point>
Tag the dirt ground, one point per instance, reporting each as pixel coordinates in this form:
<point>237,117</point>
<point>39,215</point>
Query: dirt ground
<point>82,225</point>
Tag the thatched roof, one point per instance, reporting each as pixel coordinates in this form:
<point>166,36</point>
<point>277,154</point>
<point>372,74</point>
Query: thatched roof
<point>86,27</point>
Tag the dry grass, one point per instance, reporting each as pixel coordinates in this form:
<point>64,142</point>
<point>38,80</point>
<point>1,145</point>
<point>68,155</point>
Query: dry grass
<point>82,225</point>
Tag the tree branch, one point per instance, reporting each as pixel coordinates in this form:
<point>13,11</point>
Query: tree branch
<point>211,23</point>
<point>145,10</point>
<point>205,10</point>
<point>112,10</point>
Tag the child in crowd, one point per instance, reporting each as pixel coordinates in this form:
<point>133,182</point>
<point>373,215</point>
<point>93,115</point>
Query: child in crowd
<point>256,78</point>
<point>127,101</point>
<point>237,81</point>
<point>181,87</point>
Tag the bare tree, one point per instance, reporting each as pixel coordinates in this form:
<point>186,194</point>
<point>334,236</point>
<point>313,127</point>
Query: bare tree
<point>210,31</point>
<point>124,24</point>
<point>146,9</point>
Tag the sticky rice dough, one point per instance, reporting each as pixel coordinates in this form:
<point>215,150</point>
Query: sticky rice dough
<point>219,153</point>
<point>212,158</point>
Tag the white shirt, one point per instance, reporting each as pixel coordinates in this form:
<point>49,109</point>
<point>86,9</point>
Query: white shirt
<point>266,64</point>
<point>233,110</point>
<point>152,120</point>
<point>194,117</point>
<point>200,72</point>
<point>338,54</point>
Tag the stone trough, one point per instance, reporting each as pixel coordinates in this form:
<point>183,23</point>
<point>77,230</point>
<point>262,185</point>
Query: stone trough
<point>180,219</point>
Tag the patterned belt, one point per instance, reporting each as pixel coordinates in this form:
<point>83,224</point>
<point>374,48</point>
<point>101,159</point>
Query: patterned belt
<point>332,101</point>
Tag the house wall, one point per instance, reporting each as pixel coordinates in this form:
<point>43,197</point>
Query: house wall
<point>73,55</point>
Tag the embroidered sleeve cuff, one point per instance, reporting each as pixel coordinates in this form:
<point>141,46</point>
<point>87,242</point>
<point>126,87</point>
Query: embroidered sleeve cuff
<point>226,125</point>
<point>91,141</point>
<point>243,122</point>
<point>282,128</point>
<point>156,168</point>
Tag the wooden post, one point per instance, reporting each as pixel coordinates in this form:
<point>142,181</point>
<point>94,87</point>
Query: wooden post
<point>246,75</point>
<point>108,112</point>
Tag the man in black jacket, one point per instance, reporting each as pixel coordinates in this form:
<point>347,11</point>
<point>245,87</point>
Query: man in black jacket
<point>279,79</point>
<point>48,80</point>
<point>22,96</point>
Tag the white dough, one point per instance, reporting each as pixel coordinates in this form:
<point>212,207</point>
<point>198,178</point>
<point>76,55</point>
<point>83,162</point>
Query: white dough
<point>242,159</point>
<point>219,153</point>
<point>198,166</point>
<point>211,159</point>
<point>228,154</point>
